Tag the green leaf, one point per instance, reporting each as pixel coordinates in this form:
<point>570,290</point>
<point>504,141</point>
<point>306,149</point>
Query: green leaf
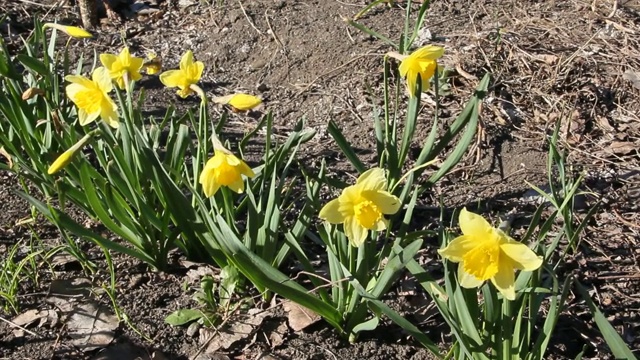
<point>617,346</point>
<point>183,316</point>
<point>33,64</point>
<point>345,147</point>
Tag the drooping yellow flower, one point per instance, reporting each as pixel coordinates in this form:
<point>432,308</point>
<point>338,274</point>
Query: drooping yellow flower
<point>66,157</point>
<point>123,68</point>
<point>188,74</point>
<point>421,62</point>
<point>224,169</point>
<point>72,31</point>
<point>241,102</point>
<point>361,207</point>
<point>91,97</point>
<point>152,64</point>
<point>487,253</point>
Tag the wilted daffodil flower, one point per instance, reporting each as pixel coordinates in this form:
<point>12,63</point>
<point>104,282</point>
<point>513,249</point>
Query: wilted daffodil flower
<point>66,157</point>
<point>186,77</point>
<point>241,102</point>
<point>361,207</point>
<point>224,169</point>
<point>91,97</point>
<point>72,31</point>
<point>152,64</point>
<point>421,62</point>
<point>487,253</point>
<point>123,67</point>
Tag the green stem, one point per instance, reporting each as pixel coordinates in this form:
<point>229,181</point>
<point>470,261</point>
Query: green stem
<point>507,329</point>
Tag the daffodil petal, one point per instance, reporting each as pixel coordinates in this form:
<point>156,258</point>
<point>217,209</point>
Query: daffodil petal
<point>457,248</point>
<point>195,71</point>
<point>355,232</point>
<point>79,80</point>
<point>108,60</point>
<point>207,179</point>
<point>381,224</point>
<point>186,60</point>
<point>172,78</point>
<point>467,280</point>
<point>246,170</point>
<point>430,52</point>
<point>473,224</point>
<point>412,80</point>
<point>109,113</point>
<point>331,212</point>
<point>522,257</point>
<point>504,281</point>
<point>101,77</point>
<point>237,186</point>
<point>372,179</point>
<point>387,203</point>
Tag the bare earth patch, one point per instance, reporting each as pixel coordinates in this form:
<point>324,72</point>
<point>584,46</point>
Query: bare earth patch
<point>575,61</point>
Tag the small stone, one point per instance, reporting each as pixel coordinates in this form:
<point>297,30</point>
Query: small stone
<point>262,87</point>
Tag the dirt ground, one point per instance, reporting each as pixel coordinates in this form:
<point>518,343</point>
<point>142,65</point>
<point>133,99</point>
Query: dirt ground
<point>573,60</point>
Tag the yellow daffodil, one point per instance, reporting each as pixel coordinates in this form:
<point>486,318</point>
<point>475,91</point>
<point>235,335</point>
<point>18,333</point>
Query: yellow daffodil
<point>91,97</point>
<point>224,169</point>
<point>241,102</point>
<point>72,31</point>
<point>152,64</point>
<point>122,68</point>
<point>361,207</point>
<point>187,76</point>
<point>66,157</point>
<point>421,62</point>
<point>487,253</point>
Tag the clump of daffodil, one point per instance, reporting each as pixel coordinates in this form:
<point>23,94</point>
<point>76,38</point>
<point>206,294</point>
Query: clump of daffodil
<point>488,253</point>
<point>185,78</point>
<point>422,62</point>
<point>72,31</point>
<point>361,207</point>
<point>123,68</point>
<point>63,160</point>
<point>240,102</point>
<point>224,169</point>
<point>152,64</point>
<point>91,97</point>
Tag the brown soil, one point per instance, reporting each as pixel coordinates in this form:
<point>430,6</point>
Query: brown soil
<point>549,60</point>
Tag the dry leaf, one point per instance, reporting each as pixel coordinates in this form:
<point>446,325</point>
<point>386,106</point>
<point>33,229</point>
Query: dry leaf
<point>239,329</point>
<point>91,326</point>
<point>621,147</point>
<point>6,155</point>
<point>30,316</point>
<point>299,316</point>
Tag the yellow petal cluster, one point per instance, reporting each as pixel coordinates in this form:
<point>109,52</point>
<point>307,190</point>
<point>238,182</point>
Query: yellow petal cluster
<point>241,102</point>
<point>224,169</point>
<point>361,207</point>
<point>72,31</point>
<point>188,74</point>
<point>63,160</point>
<point>422,63</point>
<point>487,253</point>
<point>122,68</point>
<point>152,64</point>
<point>91,97</point>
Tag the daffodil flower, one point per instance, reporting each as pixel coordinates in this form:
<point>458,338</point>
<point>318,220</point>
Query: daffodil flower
<point>91,97</point>
<point>186,78</point>
<point>152,64</point>
<point>486,253</point>
<point>224,169</point>
<point>63,160</point>
<point>123,67</point>
<point>361,207</point>
<point>241,102</point>
<point>72,31</point>
<point>421,62</point>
